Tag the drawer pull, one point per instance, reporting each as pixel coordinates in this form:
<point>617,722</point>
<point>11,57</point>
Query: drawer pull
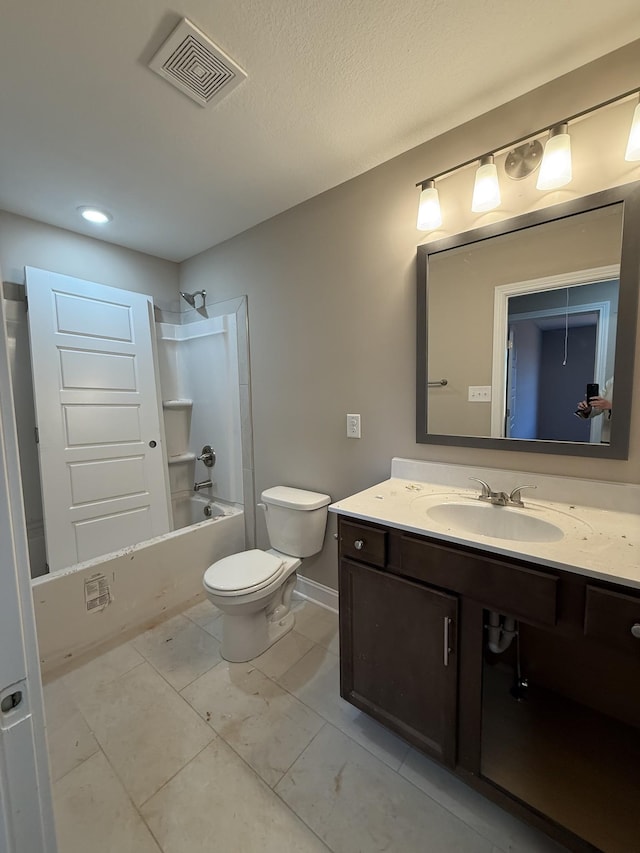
<point>447,622</point>
<point>635,630</point>
<point>358,544</point>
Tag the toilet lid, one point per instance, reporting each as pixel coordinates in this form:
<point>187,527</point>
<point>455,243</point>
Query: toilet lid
<point>245,571</point>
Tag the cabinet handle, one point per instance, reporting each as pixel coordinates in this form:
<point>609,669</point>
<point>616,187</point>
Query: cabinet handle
<point>447,623</point>
<point>358,544</point>
<point>635,630</point>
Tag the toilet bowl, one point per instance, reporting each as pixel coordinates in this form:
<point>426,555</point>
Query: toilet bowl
<point>253,589</point>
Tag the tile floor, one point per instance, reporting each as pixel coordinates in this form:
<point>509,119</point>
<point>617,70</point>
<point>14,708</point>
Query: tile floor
<point>160,746</point>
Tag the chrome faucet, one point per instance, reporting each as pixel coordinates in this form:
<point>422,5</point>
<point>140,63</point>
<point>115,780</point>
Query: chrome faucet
<point>487,494</point>
<point>514,497</point>
<point>501,498</point>
<point>203,484</point>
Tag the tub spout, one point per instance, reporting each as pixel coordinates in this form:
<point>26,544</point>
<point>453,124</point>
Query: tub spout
<point>203,484</point>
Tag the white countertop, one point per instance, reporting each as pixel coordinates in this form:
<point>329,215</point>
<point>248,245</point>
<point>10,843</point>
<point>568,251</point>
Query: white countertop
<point>597,542</point>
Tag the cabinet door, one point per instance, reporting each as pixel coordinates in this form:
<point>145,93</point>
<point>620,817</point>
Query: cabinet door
<point>398,658</point>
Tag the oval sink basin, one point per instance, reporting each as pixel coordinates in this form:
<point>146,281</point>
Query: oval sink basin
<point>499,522</point>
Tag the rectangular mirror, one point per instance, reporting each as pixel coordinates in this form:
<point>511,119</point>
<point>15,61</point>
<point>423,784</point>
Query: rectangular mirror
<point>515,319</point>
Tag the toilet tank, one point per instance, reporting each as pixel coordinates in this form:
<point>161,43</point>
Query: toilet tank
<point>296,520</point>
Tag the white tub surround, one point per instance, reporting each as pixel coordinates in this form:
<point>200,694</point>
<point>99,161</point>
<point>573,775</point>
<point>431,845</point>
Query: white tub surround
<point>191,509</point>
<point>600,521</point>
<point>94,602</point>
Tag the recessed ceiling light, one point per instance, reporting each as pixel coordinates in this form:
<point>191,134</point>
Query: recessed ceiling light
<point>92,214</point>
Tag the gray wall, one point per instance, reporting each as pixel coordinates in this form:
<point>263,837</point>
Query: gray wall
<point>25,242</point>
<point>331,286</point>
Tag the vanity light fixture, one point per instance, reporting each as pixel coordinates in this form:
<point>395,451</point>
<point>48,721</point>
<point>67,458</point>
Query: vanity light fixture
<point>95,215</point>
<point>522,157</point>
<point>429,213</point>
<point>486,189</point>
<point>555,169</point>
<point>633,145</point>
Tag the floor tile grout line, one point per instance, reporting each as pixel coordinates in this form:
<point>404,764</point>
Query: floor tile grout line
<point>290,807</point>
<point>446,808</point>
<point>331,722</point>
<point>124,789</point>
<point>479,832</point>
<point>75,767</point>
<point>322,727</point>
<point>166,680</point>
<point>397,772</point>
<point>101,748</point>
<point>81,712</point>
<point>271,788</point>
<point>173,776</point>
<point>69,672</point>
<point>231,746</point>
<point>218,736</point>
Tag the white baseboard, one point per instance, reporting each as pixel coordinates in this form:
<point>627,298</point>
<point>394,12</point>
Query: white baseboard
<point>316,592</point>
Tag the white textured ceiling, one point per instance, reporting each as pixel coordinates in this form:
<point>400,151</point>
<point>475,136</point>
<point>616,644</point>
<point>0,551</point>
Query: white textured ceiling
<point>335,87</point>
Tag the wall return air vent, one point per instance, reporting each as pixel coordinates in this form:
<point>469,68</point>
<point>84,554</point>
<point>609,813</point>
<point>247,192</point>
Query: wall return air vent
<point>194,64</point>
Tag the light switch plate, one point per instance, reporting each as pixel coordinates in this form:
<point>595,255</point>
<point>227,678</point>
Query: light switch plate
<point>479,393</point>
<point>353,426</point>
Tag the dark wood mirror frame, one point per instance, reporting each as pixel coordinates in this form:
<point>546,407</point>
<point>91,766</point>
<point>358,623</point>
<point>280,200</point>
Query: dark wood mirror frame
<point>629,196</point>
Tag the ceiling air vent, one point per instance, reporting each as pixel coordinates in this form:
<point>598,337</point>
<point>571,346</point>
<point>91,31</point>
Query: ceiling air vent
<point>195,65</point>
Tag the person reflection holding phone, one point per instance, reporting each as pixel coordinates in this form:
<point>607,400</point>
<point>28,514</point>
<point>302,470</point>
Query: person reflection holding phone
<point>600,405</point>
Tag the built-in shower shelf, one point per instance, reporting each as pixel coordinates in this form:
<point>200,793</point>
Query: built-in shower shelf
<point>179,458</point>
<point>177,404</point>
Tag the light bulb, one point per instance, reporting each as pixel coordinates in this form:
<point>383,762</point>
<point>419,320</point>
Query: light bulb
<point>429,214</point>
<point>93,214</point>
<point>486,190</point>
<point>555,169</point>
<point>633,145</point>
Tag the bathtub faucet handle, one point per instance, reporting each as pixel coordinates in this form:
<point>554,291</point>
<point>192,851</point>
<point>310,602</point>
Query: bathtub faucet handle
<point>208,456</point>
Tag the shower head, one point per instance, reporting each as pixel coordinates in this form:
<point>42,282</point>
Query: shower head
<point>191,297</point>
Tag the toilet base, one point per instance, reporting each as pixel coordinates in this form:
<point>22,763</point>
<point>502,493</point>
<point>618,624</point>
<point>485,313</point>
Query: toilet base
<point>248,631</point>
<point>238,646</point>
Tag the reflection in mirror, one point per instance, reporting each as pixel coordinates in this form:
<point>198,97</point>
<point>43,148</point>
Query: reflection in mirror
<point>86,489</point>
<point>520,317</point>
<point>556,341</point>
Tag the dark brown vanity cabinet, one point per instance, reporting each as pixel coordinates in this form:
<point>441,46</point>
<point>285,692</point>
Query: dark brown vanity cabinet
<point>407,677</point>
<point>561,749</point>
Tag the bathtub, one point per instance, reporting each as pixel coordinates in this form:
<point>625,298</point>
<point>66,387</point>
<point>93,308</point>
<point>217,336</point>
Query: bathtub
<point>189,508</point>
<point>109,598</point>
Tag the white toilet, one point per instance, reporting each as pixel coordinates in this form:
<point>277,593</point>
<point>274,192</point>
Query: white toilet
<point>254,588</point>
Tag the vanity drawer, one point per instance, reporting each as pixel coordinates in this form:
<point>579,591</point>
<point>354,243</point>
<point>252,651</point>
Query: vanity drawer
<point>499,585</point>
<point>609,617</point>
<point>363,543</point>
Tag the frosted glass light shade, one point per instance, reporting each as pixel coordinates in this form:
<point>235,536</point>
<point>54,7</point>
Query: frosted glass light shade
<point>429,213</point>
<point>486,190</point>
<point>555,169</point>
<point>633,145</point>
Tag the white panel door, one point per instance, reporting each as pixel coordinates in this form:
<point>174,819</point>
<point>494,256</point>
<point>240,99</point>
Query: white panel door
<point>96,395</point>
<point>26,816</point>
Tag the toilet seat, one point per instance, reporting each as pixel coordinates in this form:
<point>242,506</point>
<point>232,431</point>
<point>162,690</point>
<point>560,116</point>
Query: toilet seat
<point>248,571</point>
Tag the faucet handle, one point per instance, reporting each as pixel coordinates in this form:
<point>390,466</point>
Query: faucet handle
<point>208,456</point>
<point>486,488</point>
<point>515,498</point>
